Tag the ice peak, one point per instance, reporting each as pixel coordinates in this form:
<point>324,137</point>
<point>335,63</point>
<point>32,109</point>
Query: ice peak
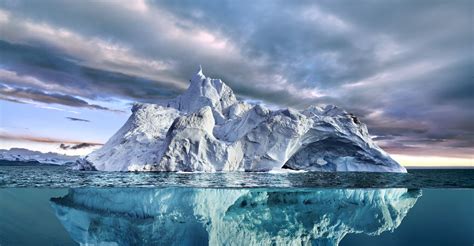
<point>198,77</point>
<point>200,70</point>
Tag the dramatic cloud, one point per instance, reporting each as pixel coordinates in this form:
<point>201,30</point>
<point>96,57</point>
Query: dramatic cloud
<point>404,67</point>
<point>45,69</point>
<point>77,119</point>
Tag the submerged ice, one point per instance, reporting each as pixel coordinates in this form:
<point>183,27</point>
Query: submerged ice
<point>199,216</point>
<point>208,129</point>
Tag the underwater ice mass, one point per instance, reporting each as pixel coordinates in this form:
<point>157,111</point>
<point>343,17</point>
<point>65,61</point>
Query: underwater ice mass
<point>203,216</point>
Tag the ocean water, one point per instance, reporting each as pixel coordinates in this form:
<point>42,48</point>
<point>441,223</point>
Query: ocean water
<point>60,177</point>
<point>49,205</point>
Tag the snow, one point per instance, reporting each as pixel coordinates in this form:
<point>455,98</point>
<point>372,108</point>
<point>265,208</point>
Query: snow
<point>25,155</point>
<point>137,143</point>
<point>207,129</point>
<point>195,216</point>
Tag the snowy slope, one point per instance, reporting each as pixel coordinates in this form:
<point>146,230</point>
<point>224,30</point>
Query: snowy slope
<point>25,155</point>
<point>193,216</point>
<point>208,129</point>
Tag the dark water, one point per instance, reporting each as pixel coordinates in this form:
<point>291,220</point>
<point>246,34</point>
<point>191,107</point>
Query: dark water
<point>53,206</point>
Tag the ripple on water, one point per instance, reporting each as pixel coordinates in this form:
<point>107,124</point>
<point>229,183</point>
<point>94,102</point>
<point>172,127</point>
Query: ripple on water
<point>61,177</point>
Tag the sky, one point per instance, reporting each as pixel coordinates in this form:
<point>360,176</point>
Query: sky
<point>70,70</point>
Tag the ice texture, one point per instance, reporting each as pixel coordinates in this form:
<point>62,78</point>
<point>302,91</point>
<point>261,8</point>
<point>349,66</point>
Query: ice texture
<point>200,216</point>
<point>207,129</point>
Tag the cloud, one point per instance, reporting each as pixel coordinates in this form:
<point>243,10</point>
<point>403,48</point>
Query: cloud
<point>39,139</point>
<point>44,69</point>
<point>76,146</point>
<point>77,119</point>
<point>4,98</point>
<point>13,94</point>
<point>398,65</point>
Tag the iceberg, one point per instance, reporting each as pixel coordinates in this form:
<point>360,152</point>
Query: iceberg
<point>203,216</point>
<point>208,129</point>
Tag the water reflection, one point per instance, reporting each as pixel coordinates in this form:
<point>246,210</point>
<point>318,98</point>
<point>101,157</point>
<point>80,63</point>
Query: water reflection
<point>199,216</point>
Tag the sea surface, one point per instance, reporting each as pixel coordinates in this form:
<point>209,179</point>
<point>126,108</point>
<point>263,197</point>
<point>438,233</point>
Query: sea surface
<point>52,205</point>
<point>51,176</point>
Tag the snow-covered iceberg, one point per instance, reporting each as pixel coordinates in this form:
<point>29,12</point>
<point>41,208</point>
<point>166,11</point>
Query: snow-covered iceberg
<point>208,129</point>
<point>200,216</point>
<point>30,156</point>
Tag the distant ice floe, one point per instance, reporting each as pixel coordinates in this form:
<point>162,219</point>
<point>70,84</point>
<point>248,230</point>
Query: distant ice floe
<point>26,155</point>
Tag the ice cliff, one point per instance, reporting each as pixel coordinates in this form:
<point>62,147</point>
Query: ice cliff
<point>208,129</point>
<point>200,216</point>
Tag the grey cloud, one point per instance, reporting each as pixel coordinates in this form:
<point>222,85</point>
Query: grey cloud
<point>77,146</point>
<point>4,98</point>
<point>72,77</point>
<point>49,98</point>
<point>77,119</point>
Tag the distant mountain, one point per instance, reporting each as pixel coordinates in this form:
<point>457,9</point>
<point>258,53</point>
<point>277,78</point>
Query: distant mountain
<point>26,156</point>
<point>208,129</point>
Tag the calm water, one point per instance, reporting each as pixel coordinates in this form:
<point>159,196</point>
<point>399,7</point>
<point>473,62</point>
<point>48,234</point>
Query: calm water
<point>61,177</point>
<point>54,206</point>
